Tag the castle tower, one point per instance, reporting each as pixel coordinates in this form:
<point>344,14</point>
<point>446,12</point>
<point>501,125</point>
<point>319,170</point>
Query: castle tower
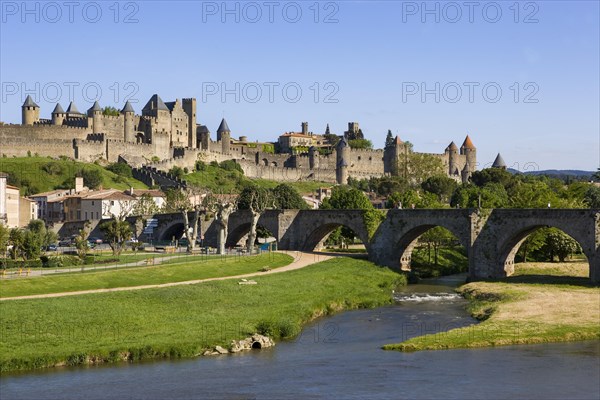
<point>224,136</point>
<point>58,115</point>
<point>342,157</point>
<point>452,154</point>
<point>72,111</point>
<point>95,112</point>
<point>313,157</point>
<point>465,174</point>
<point>305,128</point>
<point>499,162</point>
<point>470,151</point>
<point>128,123</point>
<point>189,106</point>
<point>391,156</point>
<point>203,137</point>
<point>30,112</point>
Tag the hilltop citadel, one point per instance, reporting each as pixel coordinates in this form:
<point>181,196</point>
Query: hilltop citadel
<point>167,134</point>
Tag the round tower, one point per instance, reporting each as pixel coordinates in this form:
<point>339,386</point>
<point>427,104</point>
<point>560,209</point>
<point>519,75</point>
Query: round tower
<point>465,174</point>
<point>30,112</point>
<point>470,152</point>
<point>96,113</point>
<point>452,151</point>
<point>313,157</point>
<point>224,135</point>
<point>128,124</point>
<point>342,158</point>
<point>58,115</point>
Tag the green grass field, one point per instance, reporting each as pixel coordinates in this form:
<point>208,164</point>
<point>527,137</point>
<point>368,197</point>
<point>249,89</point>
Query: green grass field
<point>182,321</point>
<point>542,302</point>
<point>200,268</point>
<point>44,174</point>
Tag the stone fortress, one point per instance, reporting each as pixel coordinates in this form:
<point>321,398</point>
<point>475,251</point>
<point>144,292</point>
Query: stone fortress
<point>167,134</point>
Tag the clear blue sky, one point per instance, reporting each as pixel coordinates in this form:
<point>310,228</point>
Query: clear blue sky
<point>372,57</point>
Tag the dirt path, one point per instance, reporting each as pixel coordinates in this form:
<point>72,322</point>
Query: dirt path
<point>301,260</point>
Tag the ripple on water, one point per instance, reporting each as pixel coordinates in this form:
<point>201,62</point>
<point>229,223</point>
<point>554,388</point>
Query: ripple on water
<point>426,297</point>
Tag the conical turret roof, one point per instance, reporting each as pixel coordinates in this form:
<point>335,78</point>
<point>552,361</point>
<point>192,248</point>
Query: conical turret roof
<point>499,162</point>
<point>223,127</point>
<point>127,108</point>
<point>29,102</point>
<point>58,109</point>
<point>452,147</point>
<point>397,140</point>
<point>95,107</point>
<point>468,144</point>
<point>72,109</point>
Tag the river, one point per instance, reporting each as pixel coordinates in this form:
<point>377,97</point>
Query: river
<point>339,357</point>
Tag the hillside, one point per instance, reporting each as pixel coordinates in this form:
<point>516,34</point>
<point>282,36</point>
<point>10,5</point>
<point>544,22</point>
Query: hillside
<point>557,173</point>
<point>228,179</point>
<point>42,174</point>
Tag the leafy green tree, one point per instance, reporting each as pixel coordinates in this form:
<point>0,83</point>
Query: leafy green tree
<point>231,165</point>
<point>436,238</point>
<point>535,241</point>
<point>175,201</point>
<point>287,197</point>
<point>120,169</point>
<point>332,139</point>
<point>347,198</point>
<point>145,206</point>
<point>441,186</point>
<point>360,144</point>
<point>116,233</point>
<point>4,232</point>
<point>92,178</point>
<point>38,227</point>
<point>560,244</point>
<point>469,196</point>
<point>16,238</point>
<point>111,111</point>
<point>492,175</point>
<point>177,172</point>
<point>592,197</point>
<point>32,245</point>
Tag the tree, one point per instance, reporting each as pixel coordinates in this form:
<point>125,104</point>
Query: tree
<point>495,175</point>
<point>286,197</point>
<point>560,244</point>
<point>178,200</point>
<point>257,200</point>
<point>347,198</point>
<point>332,139</point>
<point>81,241</point>
<point>177,172</point>
<point>416,167</point>
<point>389,139</point>
<point>16,237</point>
<point>534,242</point>
<point>111,111</point>
<point>436,238</point>
<point>360,144</point>
<point>221,206</point>
<point>441,186</point>
<point>145,206</point>
<point>116,233</point>
<point>592,197</point>
<point>3,239</point>
<point>120,169</point>
<point>92,178</point>
<point>46,237</point>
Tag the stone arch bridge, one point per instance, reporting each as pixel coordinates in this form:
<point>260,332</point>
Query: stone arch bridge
<point>490,237</point>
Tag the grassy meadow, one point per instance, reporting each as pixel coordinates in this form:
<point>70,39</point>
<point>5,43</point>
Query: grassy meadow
<point>183,321</point>
<point>541,302</point>
<point>198,268</point>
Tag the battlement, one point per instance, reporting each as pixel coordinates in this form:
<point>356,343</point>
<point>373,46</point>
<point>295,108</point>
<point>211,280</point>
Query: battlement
<point>123,142</point>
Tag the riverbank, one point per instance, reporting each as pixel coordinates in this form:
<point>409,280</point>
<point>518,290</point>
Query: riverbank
<point>183,321</point>
<point>542,302</point>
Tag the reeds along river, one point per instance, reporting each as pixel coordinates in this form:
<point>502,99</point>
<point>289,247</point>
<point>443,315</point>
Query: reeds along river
<point>340,357</point>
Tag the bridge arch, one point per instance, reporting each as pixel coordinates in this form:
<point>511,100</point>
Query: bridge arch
<point>510,246</point>
<point>320,233</point>
<point>239,225</point>
<point>174,228</point>
<point>234,236</point>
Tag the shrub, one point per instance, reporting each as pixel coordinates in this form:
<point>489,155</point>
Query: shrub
<point>200,166</point>
<point>120,169</point>
<point>231,165</point>
<point>267,327</point>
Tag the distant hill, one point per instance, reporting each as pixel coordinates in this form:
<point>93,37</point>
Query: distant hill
<point>557,173</point>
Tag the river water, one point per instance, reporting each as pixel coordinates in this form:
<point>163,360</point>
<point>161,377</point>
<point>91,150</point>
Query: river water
<point>340,358</point>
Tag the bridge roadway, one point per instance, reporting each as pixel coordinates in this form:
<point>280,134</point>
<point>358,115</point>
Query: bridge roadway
<point>491,237</point>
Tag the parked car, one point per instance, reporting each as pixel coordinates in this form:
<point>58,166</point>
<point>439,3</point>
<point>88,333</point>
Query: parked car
<point>52,247</point>
<point>64,242</point>
<point>95,240</point>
